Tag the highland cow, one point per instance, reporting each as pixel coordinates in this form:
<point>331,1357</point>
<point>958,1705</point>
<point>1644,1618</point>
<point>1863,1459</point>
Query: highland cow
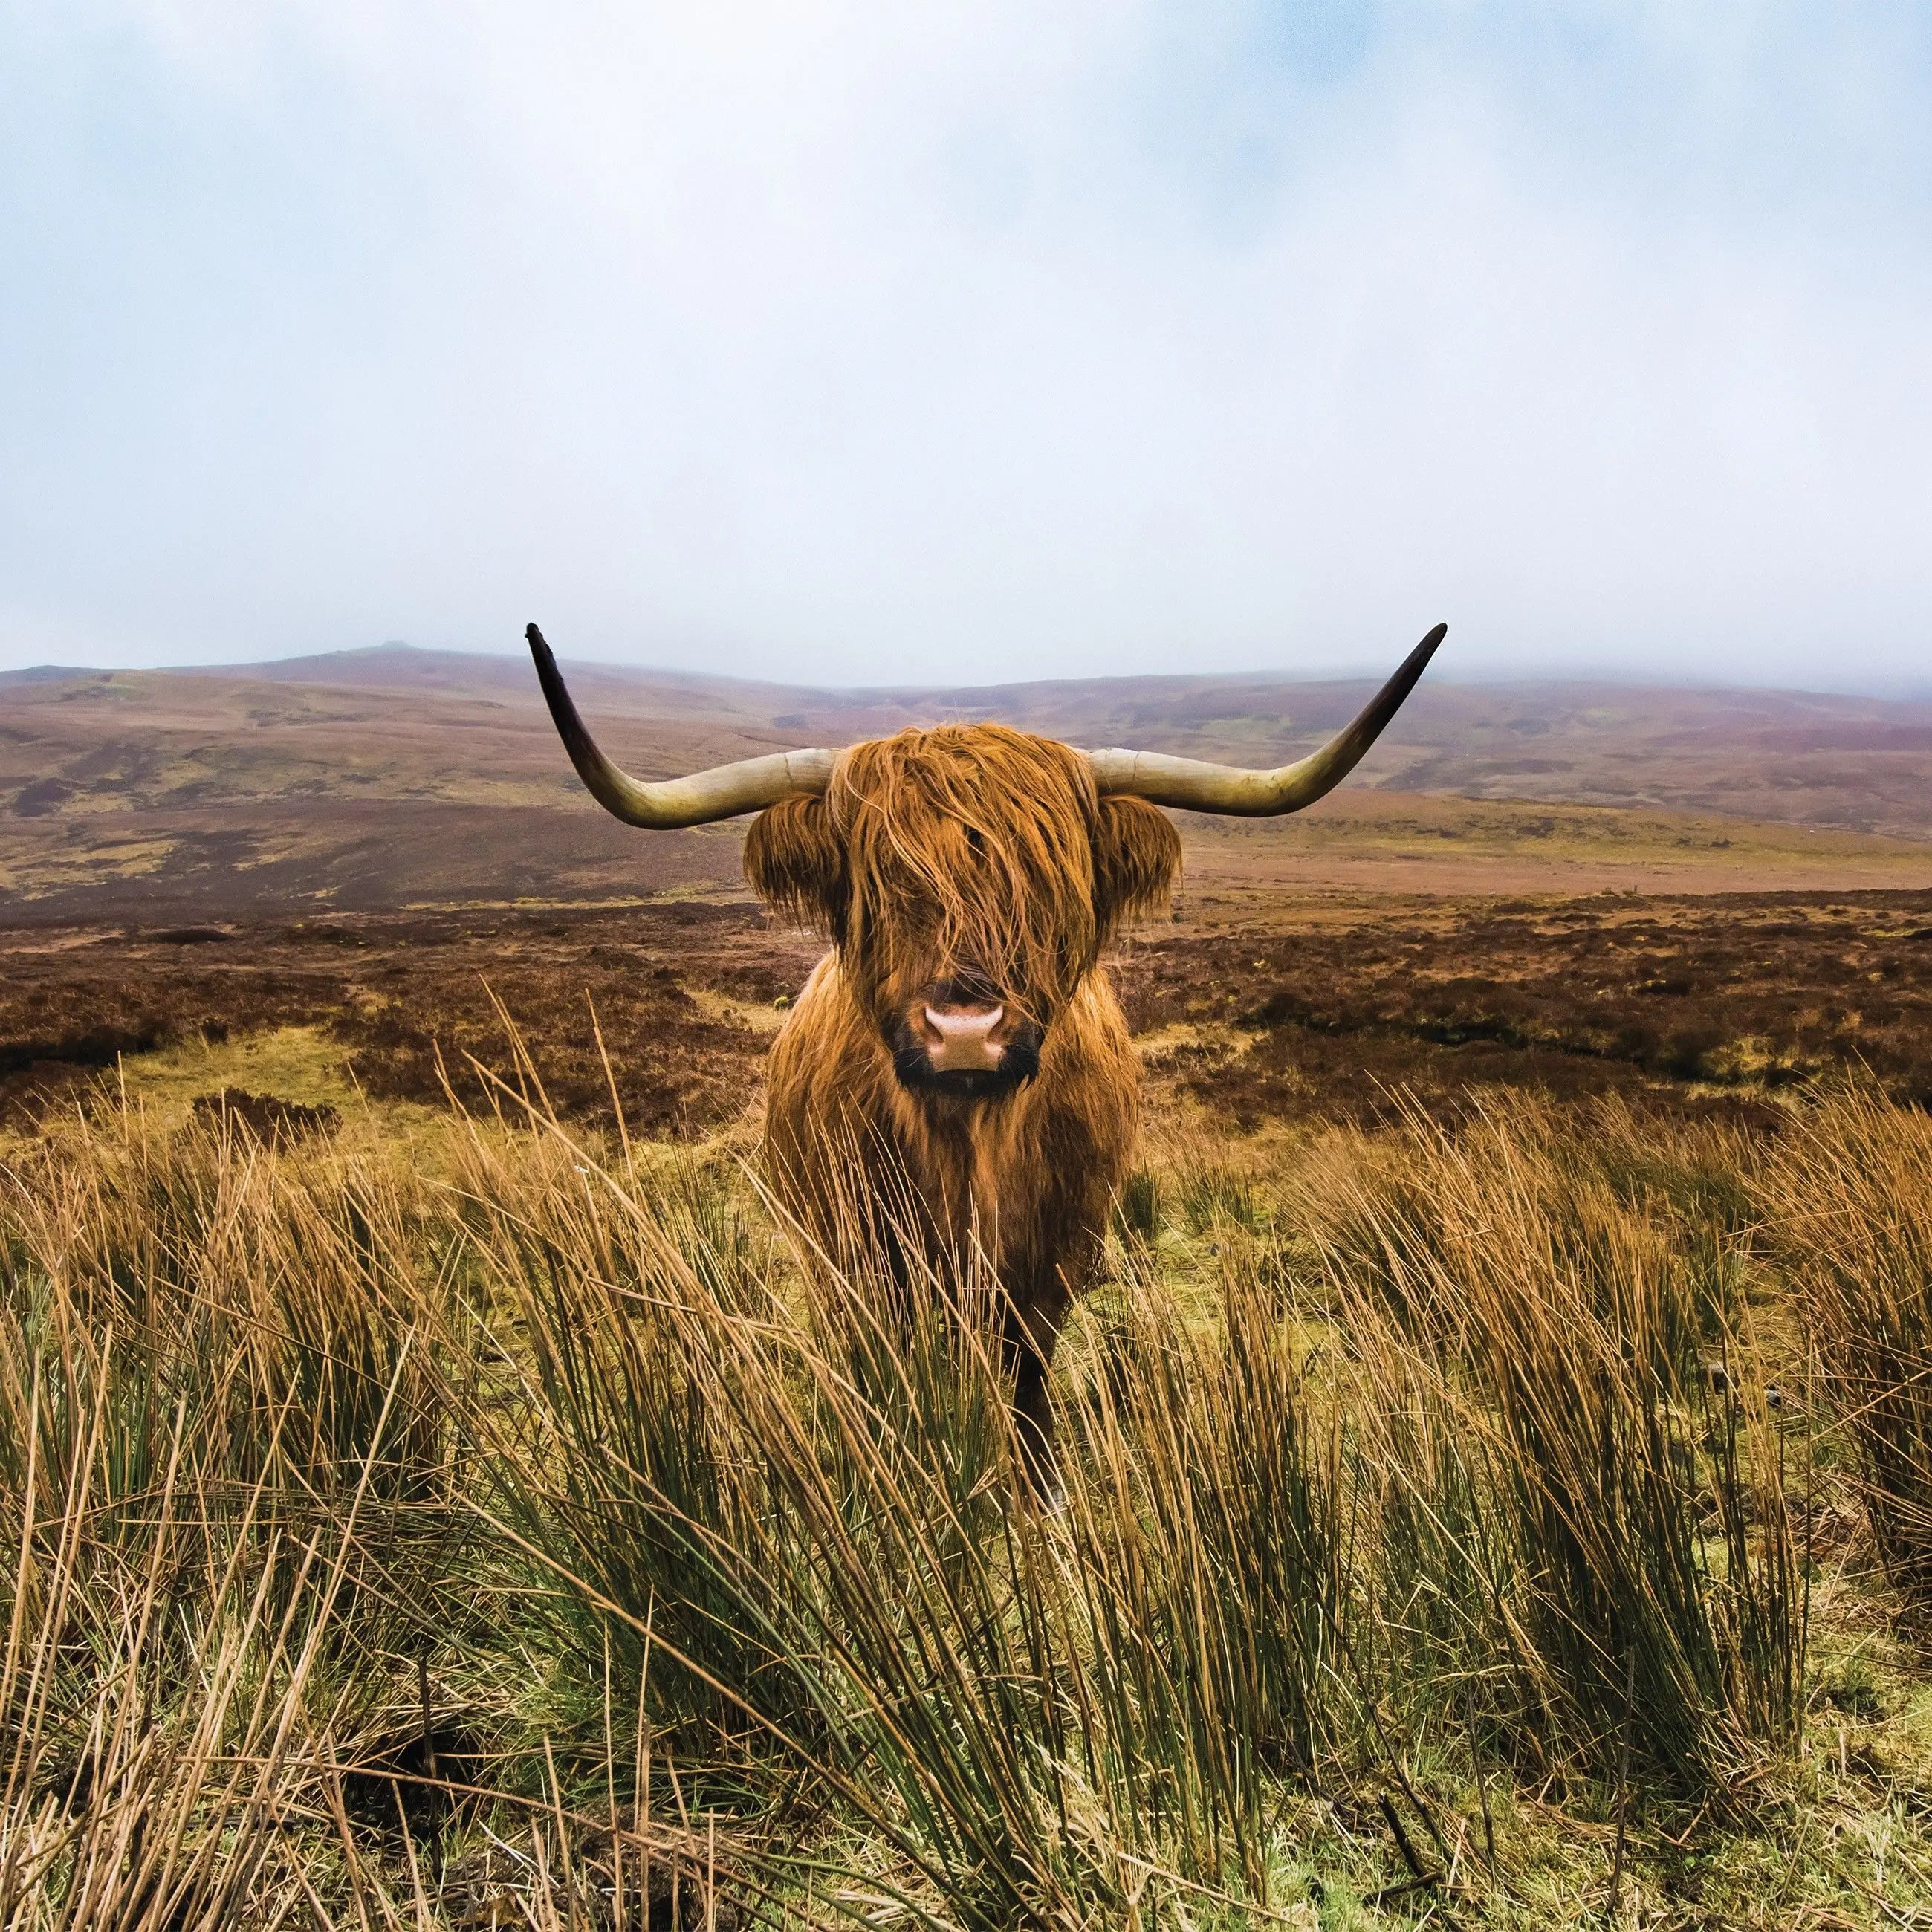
<point>958,1072</point>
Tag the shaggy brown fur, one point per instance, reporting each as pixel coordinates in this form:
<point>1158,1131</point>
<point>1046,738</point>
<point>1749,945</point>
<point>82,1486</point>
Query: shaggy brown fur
<point>967,849</point>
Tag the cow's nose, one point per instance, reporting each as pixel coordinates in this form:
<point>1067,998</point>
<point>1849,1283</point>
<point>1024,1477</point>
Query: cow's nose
<point>961,1039</point>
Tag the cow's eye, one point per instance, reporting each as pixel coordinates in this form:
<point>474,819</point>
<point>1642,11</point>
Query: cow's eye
<point>975,843</point>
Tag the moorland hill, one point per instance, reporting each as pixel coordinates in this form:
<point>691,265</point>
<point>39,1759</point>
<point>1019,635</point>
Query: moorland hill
<point>396,777</point>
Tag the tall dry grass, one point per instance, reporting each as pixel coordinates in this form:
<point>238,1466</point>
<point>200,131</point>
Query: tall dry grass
<point>1849,1205</point>
<point>225,1469</point>
<point>1581,1491</point>
<point>520,1529</point>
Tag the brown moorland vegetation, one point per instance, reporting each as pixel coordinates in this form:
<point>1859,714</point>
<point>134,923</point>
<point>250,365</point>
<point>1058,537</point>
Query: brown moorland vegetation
<point>436,1496</point>
<point>1254,1010</point>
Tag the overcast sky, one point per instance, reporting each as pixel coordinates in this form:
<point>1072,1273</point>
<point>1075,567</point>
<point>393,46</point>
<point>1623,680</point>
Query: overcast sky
<point>901,342</point>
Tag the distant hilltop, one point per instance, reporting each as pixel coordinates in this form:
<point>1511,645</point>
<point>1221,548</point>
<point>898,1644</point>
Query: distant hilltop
<point>393,774</point>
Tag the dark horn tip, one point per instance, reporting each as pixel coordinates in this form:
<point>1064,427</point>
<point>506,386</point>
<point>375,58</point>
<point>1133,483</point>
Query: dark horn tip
<point>534,638</point>
<point>1424,651</point>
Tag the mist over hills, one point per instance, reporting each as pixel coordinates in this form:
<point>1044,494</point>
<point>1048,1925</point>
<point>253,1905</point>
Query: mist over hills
<point>396,775</point>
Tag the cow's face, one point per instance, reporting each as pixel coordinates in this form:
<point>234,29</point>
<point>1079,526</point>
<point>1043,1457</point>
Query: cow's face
<point>969,876</point>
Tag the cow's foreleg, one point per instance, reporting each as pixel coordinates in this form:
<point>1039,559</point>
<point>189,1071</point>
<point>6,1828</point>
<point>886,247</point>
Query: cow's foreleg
<point>1028,1337</point>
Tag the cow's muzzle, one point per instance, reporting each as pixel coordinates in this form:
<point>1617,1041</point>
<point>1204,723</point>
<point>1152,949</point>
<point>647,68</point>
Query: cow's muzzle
<point>960,1040</point>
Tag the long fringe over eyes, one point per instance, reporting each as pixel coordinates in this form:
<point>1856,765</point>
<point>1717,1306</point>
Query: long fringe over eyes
<point>973,846</point>
<point>966,846</point>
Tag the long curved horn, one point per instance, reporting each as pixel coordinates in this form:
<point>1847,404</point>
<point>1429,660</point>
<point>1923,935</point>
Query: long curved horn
<point>1198,786</point>
<point>725,791</point>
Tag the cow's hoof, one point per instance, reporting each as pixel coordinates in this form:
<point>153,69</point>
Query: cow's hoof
<point>1044,1491</point>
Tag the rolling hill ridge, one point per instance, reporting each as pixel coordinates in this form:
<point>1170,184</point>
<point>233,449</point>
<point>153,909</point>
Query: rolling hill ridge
<point>392,777</point>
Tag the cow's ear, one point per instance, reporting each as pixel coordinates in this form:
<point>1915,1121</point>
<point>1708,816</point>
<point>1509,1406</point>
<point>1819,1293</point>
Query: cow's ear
<point>1136,857</point>
<point>796,863</point>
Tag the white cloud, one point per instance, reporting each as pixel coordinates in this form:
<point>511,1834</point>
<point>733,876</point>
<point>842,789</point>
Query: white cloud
<point>868,343</point>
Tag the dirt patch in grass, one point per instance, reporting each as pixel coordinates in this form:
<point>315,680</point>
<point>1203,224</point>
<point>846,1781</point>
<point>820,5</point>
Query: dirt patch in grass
<point>270,1118</point>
